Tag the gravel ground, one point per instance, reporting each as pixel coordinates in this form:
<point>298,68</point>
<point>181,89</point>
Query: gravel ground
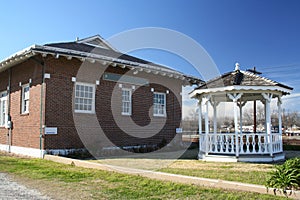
<point>10,190</point>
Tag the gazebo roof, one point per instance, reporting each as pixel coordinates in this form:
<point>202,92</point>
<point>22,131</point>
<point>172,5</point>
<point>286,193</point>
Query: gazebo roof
<point>239,80</point>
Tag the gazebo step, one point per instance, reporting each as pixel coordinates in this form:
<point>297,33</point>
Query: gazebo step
<point>262,158</point>
<point>220,158</point>
<point>243,158</point>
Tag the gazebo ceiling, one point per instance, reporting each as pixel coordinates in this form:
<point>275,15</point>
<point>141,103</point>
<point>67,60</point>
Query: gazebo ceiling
<point>238,81</point>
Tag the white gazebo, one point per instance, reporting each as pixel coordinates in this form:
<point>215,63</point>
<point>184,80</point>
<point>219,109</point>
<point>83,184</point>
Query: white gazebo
<point>239,87</point>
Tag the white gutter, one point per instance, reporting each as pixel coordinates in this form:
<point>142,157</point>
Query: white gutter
<point>32,50</point>
<point>106,58</point>
<point>17,58</point>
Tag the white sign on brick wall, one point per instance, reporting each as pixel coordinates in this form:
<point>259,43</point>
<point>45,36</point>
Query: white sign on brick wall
<point>50,130</point>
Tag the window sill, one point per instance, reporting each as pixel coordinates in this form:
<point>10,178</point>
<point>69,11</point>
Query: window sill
<point>84,112</point>
<point>126,114</point>
<point>24,114</point>
<point>159,116</point>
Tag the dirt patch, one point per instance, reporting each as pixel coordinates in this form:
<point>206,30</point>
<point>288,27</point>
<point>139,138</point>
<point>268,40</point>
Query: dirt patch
<point>10,189</point>
<point>53,189</point>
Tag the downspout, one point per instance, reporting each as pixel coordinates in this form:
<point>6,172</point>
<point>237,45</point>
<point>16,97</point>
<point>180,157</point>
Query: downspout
<point>41,109</point>
<point>8,111</point>
<point>42,63</point>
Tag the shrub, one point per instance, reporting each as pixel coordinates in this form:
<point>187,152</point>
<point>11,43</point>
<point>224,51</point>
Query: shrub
<point>285,177</point>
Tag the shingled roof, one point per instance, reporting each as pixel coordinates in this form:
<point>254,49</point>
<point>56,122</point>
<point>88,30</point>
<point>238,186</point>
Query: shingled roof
<point>239,81</point>
<point>242,78</point>
<point>82,47</point>
<point>96,48</point>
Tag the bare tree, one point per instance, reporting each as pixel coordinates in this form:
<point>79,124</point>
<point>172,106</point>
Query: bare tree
<point>248,116</point>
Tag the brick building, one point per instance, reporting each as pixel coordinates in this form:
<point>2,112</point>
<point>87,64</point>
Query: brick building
<point>61,97</point>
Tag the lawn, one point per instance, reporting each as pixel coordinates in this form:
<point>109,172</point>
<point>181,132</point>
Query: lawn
<point>241,172</point>
<point>189,165</point>
<point>61,181</point>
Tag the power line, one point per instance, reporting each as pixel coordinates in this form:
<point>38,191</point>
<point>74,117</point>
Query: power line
<point>279,66</point>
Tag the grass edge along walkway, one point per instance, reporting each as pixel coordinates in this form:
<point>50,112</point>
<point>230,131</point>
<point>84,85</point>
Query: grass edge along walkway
<point>163,176</point>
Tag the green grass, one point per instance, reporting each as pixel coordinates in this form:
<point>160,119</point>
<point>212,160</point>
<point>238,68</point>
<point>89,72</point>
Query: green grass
<point>223,173</point>
<point>239,172</point>
<point>79,183</point>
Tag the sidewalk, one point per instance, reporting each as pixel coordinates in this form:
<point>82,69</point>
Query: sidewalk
<point>229,185</point>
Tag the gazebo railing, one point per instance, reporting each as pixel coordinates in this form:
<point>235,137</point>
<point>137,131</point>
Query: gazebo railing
<point>248,143</point>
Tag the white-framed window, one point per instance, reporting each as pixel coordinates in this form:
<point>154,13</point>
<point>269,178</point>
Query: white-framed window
<point>84,98</point>
<point>126,101</point>
<point>159,104</point>
<point>25,99</point>
<point>3,108</point>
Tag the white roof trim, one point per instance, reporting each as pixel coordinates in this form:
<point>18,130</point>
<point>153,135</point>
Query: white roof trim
<point>67,52</point>
<point>17,58</point>
<point>18,53</point>
<point>107,45</point>
<point>32,50</point>
<point>238,88</point>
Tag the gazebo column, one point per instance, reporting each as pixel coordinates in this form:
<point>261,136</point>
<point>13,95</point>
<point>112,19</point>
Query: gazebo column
<point>241,105</point>
<point>215,104</point>
<point>268,98</point>
<point>279,102</point>
<point>205,102</point>
<point>200,127</point>
<point>235,97</point>
<point>213,141</point>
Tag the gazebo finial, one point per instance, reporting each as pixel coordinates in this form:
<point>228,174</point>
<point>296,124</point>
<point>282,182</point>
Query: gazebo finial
<point>237,66</point>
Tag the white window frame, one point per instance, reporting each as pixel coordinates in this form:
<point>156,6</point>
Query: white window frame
<point>25,98</point>
<point>158,114</point>
<point>3,110</point>
<point>129,101</point>
<point>84,98</point>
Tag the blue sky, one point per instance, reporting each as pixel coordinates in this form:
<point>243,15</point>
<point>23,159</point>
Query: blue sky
<point>265,34</point>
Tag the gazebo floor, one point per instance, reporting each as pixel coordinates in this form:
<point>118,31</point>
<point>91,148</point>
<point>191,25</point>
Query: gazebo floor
<point>242,158</point>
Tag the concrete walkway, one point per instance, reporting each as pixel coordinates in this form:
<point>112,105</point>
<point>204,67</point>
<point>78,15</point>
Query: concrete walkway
<point>215,183</point>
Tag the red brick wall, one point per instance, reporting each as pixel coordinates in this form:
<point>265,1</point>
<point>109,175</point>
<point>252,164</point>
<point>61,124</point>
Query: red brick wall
<point>59,110</point>
<point>59,106</point>
<point>3,87</point>
<point>26,127</point>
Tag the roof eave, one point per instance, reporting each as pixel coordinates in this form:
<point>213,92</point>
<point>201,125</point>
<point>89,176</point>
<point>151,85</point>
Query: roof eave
<point>238,88</point>
<point>25,54</point>
<point>17,58</point>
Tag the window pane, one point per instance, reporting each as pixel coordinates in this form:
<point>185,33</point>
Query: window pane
<point>159,104</point>
<point>126,101</point>
<point>84,97</point>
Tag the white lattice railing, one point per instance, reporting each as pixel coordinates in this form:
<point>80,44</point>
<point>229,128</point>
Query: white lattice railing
<point>248,143</point>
